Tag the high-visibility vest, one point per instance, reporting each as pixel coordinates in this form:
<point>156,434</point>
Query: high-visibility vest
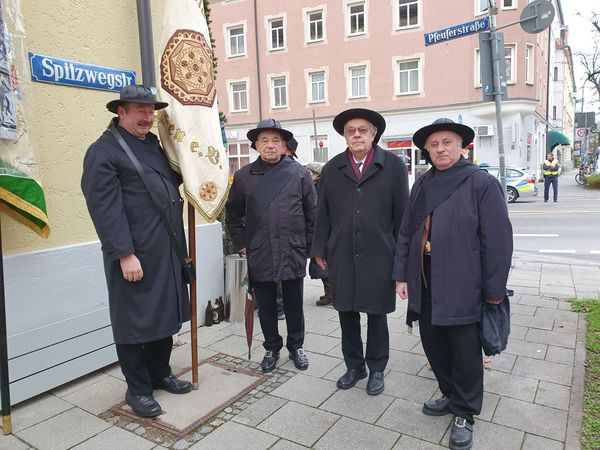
<point>551,167</point>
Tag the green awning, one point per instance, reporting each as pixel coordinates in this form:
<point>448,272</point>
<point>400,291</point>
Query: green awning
<point>556,138</point>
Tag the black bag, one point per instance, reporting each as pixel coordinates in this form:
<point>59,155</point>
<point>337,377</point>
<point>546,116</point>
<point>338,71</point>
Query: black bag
<point>495,326</point>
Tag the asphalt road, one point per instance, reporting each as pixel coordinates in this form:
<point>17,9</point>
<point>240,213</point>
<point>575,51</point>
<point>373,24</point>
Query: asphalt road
<point>565,232</point>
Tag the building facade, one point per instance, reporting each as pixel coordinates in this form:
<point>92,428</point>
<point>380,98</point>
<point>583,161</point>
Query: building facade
<point>302,62</point>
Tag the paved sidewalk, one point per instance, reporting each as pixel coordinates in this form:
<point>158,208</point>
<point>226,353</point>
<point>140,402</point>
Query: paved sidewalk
<point>533,391</point>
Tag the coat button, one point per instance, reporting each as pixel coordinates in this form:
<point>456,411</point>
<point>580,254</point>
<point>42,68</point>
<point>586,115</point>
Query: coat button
<point>357,211</point>
<point>357,189</point>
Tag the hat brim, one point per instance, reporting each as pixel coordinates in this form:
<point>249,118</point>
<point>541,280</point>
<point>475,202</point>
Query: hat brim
<point>114,104</point>
<point>466,133</point>
<point>370,116</point>
<point>252,135</point>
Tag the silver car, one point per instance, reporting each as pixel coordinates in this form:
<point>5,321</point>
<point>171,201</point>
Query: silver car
<point>519,183</point>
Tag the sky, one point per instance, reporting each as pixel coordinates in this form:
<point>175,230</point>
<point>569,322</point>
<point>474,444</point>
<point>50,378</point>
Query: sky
<point>581,32</point>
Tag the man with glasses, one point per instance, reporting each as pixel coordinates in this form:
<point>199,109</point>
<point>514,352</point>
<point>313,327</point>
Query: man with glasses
<point>363,192</point>
<point>270,212</point>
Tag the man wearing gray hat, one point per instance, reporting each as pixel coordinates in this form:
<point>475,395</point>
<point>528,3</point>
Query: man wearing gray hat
<point>270,214</point>
<point>147,296</point>
<point>452,260</point>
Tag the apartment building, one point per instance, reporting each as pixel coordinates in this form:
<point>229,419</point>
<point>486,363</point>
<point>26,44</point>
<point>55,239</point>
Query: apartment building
<point>304,61</point>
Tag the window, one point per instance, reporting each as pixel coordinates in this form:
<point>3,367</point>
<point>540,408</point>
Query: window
<point>529,64</point>
<point>408,13</point>
<point>237,45</point>
<point>321,149</point>
<point>239,96</point>
<point>509,4</point>
<point>509,57</point>
<point>554,113</point>
<point>356,16</point>
<point>556,73</point>
<point>239,156</point>
<point>408,77</point>
<point>358,81</point>
<point>317,87</point>
<point>279,85</point>
<point>477,68</point>
<point>481,6</point>
<point>277,40</point>
<point>315,26</point>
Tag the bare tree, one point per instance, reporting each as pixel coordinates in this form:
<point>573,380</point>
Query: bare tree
<point>591,60</point>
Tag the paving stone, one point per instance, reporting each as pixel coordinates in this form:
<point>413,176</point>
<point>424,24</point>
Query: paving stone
<point>347,433</point>
<point>523,290</point>
<point>418,349</point>
<point>517,331</point>
<point>11,442</point>
<point>409,387</point>
<point>99,397</point>
<point>406,362</point>
<point>37,410</point>
<point>558,291</point>
<point>181,444</point>
<point>299,423</point>
<point>490,436</point>
<point>114,370</point>
<point>543,370</point>
<point>304,389</point>
<point>506,384</point>
<point>503,362</point>
<point>557,314</point>
<point>532,418</point>
<point>64,430</point>
<point>77,384</point>
<point>560,355</point>
<point>318,343</point>
<point>403,342</point>
<point>282,444</point>
<point>555,395</point>
<point>524,348</point>
<point>234,346</point>
<point>410,443</point>
<point>318,365</point>
<point>356,404</point>
<point>517,283</point>
<point>114,438</point>
<point>533,442</point>
<point>490,402</point>
<point>515,308</point>
<point>562,326</point>
<point>234,435</point>
<point>259,411</point>
<point>406,417</point>
<point>551,338</point>
<point>321,326</point>
<point>427,372</point>
<point>531,300</point>
<point>532,322</point>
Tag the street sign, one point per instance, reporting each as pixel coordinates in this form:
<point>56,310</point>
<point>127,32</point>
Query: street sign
<point>486,66</point>
<point>537,16</point>
<point>582,132</point>
<point>446,34</point>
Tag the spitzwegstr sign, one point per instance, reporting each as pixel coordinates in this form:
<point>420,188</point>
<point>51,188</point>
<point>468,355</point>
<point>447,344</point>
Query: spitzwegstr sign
<point>48,69</point>
<point>457,31</point>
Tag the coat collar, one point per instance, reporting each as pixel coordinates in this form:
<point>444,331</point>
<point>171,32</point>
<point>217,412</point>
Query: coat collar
<point>377,164</point>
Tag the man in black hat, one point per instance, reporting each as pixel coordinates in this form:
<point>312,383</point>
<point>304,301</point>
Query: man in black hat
<point>290,148</point>
<point>147,296</point>
<point>362,195</point>
<point>270,214</point>
<point>453,254</point>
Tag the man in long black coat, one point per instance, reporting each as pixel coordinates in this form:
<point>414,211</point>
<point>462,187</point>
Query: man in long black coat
<point>148,298</point>
<point>362,195</point>
<point>453,255</point>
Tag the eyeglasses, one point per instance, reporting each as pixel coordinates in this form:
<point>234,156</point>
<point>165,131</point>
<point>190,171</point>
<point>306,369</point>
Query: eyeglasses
<point>352,130</point>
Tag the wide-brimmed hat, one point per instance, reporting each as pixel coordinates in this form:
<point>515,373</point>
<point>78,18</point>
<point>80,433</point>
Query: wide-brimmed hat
<point>268,124</point>
<point>466,133</point>
<point>292,144</point>
<point>138,94</point>
<point>315,167</point>
<point>372,117</point>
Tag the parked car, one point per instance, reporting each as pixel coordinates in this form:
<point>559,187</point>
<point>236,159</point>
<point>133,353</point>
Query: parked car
<point>519,182</point>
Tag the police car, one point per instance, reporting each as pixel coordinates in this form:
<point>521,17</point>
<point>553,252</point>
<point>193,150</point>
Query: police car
<point>519,183</point>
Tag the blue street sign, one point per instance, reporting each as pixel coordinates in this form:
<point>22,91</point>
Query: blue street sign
<point>47,69</point>
<point>457,31</point>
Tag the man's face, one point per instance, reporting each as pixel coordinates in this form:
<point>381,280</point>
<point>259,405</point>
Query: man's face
<point>137,118</point>
<point>550,156</point>
<point>270,145</point>
<point>359,135</point>
<point>444,148</point>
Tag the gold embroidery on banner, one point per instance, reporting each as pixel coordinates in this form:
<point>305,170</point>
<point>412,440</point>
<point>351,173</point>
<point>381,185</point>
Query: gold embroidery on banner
<point>208,191</point>
<point>186,69</point>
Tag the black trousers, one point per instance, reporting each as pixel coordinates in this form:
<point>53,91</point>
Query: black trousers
<point>143,363</point>
<point>266,296</point>
<point>378,341</point>
<point>454,353</point>
<point>551,180</point>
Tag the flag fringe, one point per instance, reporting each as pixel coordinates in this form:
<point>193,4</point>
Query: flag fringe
<point>34,211</point>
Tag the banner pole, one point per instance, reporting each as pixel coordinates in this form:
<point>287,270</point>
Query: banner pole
<point>193,294</point>
<point>4,379</point>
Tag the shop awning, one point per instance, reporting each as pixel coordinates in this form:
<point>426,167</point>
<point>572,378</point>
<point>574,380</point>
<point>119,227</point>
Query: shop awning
<point>556,138</point>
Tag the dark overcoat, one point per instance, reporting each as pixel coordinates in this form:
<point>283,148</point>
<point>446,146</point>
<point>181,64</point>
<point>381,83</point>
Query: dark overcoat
<point>471,251</point>
<point>356,227</point>
<point>279,248</point>
<point>127,222</point>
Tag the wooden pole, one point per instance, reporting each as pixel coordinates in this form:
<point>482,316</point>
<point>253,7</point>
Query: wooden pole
<point>193,302</point>
<point>4,379</point>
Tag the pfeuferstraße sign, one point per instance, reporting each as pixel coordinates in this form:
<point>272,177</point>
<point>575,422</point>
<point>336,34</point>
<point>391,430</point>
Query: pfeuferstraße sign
<point>456,31</point>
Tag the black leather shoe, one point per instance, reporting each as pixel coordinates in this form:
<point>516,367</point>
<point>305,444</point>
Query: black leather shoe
<point>299,358</point>
<point>375,384</point>
<point>268,362</point>
<point>437,407</point>
<point>461,436</point>
<point>143,405</point>
<point>173,385</point>
<point>351,377</point>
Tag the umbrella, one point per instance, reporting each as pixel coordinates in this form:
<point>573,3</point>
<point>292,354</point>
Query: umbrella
<point>556,138</point>
<point>249,319</point>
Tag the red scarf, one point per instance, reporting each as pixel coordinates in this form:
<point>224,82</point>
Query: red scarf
<point>366,162</point>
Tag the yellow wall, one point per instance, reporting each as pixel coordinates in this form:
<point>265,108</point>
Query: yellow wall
<point>66,120</point>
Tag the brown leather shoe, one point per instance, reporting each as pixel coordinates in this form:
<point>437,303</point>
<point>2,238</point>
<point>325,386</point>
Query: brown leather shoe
<point>324,301</point>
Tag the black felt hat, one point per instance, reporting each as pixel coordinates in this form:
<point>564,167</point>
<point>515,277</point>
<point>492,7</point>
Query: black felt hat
<point>138,94</point>
<point>292,144</point>
<point>268,124</point>
<point>374,118</point>
<point>466,133</point>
